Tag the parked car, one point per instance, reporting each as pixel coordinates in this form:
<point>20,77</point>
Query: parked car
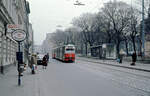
<point>39,59</point>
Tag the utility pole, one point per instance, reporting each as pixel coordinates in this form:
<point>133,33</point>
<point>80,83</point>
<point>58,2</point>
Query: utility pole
<point>143,30</point>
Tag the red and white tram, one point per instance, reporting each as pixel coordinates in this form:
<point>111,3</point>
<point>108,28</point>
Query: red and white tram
<point>65,53</point>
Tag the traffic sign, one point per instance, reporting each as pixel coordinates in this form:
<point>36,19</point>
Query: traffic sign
<point>18,35</point>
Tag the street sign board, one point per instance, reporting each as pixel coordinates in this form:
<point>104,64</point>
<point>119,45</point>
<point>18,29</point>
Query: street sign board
<point>11,27</point>
<point>18,35</point>
<point>19,56</point>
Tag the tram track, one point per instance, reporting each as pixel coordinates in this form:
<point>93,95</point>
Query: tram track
<point>132,78</point>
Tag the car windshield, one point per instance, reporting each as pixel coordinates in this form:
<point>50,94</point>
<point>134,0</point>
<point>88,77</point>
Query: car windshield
<point>40,56</point>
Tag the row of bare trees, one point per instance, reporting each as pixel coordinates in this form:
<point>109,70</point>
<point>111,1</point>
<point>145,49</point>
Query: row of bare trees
<point>115,23</point>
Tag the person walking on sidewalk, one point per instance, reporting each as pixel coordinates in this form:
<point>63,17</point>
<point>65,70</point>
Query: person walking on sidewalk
<point>33,63</point>
<point>134,57</point>
<point>44,61</point>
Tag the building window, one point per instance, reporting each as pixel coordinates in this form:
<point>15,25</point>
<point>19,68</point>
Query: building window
<point>19,20</point>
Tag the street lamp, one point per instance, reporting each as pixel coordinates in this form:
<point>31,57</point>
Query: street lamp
<point>138,38</point>
<point>143,30</point>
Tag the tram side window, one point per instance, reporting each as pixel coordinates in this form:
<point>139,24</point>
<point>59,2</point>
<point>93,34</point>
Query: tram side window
<point>63,50</point>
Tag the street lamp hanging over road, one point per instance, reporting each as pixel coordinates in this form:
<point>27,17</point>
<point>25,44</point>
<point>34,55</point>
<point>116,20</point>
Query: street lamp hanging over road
<point>79,3</point>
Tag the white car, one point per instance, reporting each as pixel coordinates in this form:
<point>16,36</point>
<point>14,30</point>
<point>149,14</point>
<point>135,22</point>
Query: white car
<point>39,59</point>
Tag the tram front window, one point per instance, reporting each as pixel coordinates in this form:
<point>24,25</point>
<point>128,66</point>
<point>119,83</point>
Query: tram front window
<point>69,49</point>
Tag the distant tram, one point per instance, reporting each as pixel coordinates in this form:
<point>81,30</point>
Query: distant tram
<point>64,53</point>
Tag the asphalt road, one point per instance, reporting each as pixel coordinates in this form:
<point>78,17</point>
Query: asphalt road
<point>84,78</point>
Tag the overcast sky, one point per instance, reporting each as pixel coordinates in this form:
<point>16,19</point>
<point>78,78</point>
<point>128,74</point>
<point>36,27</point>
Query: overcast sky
<point>47,14</point>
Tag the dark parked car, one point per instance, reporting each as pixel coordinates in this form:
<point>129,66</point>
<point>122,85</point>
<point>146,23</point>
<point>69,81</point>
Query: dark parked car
<point>39,59</point>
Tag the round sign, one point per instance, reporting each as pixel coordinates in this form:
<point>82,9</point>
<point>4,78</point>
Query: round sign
<point>18,35</point>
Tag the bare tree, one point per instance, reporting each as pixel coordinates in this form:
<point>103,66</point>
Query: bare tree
<point>118,15</point>
<point>138,4</point>
<point>58,37</point>
<point>72,34</point>
<point>133,25</point>
<point>86,23</point>
<point>104,28</point>
<point>114,23</point>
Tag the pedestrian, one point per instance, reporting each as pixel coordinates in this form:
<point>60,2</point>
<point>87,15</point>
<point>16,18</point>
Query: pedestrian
<point>44,61</point>
<point>120,58</point>
<point>134,57</point>
<point>121,54</point>
<point>47,56</point>
<point>33,63</point>
<point>25,67</point>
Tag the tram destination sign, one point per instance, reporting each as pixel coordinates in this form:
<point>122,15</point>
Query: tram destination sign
<point>18,35</point>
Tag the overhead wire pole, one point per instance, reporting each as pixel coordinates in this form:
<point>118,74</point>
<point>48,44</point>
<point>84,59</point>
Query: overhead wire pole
<point>143,30</point>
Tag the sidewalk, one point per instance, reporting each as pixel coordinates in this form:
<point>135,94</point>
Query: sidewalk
<point>9,83</point>
<point>124,64</point>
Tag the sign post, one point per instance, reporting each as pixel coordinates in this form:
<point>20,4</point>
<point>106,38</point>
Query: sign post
<point>19,36</point>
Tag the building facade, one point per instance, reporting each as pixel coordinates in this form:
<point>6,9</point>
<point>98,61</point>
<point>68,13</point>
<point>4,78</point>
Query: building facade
<point>12,12</point>
<point>47,45</point>
<point>31,39</point>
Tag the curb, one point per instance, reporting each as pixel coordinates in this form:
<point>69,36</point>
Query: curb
<point>140,69</point>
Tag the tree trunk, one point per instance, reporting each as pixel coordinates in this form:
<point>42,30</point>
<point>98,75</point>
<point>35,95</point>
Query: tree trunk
<point>126,44</point>
<point>86,49</point>
<point>81,49</point>
<point>100,52</point>
<point>118,48</point>
<point>109,40</point>
<point>91,49</point>
<point>118,40</point>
